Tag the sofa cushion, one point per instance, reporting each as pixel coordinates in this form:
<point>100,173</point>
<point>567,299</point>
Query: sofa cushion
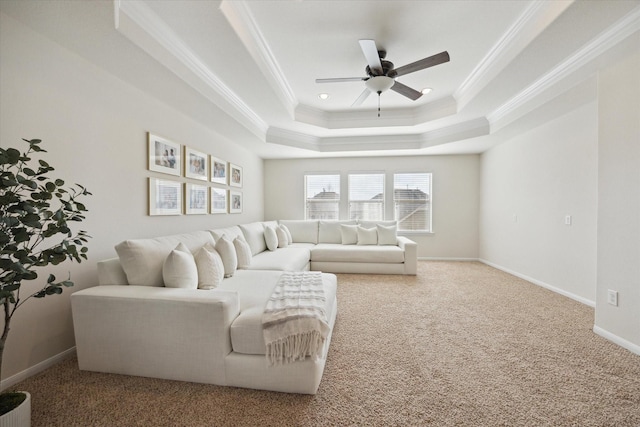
<point>243,253</point>
<point>387,235</point>
<point>254,235</point>
<point>283,238</point>
<point>142,259</point>
<point>227,252</point>
<point>331,252</point>
<point>284,259</point>
<point>349,234</point>
<point>246,329</point>
<point>302,231</point>
<point>329,231</point>
<point>179,269</point>
<point>210,267</point>
<point>271,237</point>
<point>367,236</point>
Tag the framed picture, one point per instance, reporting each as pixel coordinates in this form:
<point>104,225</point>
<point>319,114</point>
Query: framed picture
<point>218,200</point>
<point>164,156</point>
<point>196,164</point>
<point>235,175</point>
<point>196,199</point>
<point>165,197</point>
<point>218,171</point>
<point>235,202</point>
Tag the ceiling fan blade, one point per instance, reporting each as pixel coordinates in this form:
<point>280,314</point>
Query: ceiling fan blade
<point>361,98</point>
<point>371,54</point>
<point>342,79</point>
<point>436,59</point>
<point>406,91</point>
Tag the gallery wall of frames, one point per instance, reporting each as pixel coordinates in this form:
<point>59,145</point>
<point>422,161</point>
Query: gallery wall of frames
<point>200,184</point>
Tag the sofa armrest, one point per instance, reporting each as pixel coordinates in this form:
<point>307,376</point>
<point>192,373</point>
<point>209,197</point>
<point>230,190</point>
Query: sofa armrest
<point>410,254</point>
<point>180,334</point>
<point>110,272</point>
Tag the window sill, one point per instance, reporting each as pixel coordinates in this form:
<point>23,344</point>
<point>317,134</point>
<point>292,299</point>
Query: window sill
<point>416,233</point>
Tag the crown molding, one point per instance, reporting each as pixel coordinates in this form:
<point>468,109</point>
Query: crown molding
<point>443,107</point>
<point>136,21</point>
<point>536,17</point>
<point>243,23</point>
<point>615,34</point>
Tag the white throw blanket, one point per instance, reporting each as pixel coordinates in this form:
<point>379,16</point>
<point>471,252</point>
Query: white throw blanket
<point>294,321</point>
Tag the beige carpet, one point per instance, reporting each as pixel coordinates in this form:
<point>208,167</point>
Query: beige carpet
<point>461,344</point>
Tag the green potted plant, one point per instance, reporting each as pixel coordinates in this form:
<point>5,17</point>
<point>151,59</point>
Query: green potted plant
<point>35,212</point>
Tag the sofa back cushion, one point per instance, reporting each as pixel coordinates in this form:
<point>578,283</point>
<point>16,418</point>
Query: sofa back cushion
<point>302,231</point>
<point>231,232</point>
<point>329,231</point>
<point>373,224</point>
<point>254,235</point>
<point>142,259</point>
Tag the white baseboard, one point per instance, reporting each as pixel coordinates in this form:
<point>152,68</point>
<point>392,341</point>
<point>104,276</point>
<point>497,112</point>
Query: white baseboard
<point>445,259</point>
<point>14,379</point>
<point>617,340</point>
<point>557,290</point>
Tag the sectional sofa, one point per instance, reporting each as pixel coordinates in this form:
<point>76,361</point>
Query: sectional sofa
<point>135,324</point>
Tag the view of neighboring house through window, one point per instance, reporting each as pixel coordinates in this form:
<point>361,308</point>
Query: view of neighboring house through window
<point>322,196</point>
<point>412,200</point>
<point>366,196</point>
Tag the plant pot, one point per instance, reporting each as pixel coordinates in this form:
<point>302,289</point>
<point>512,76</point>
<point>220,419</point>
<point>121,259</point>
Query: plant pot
<point>19,416</point>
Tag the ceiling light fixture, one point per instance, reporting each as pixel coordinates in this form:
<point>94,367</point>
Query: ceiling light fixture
<point>323,96</point>
<point>426,90</point>
<point>379,84</point>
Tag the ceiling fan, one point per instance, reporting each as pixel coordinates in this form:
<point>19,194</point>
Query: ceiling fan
<point>381,74</point>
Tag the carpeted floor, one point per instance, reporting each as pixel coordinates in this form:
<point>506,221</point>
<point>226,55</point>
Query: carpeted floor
<point>461,344</point>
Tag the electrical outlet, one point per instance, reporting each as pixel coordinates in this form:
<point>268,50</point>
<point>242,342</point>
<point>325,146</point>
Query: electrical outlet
<point>612,297</point>
<point>567,220</point>
<point>515,218</point>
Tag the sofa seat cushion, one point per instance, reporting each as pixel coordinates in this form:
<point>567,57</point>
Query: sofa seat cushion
<point>254,289</point>
<point>282,259</point>
<point>331,252</point>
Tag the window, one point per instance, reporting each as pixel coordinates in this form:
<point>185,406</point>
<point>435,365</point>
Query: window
<point>322,196</point>
<point>366,196</point>
<point>412,201</point>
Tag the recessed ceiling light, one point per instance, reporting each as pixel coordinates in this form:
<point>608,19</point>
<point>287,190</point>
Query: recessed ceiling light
<point>426,90</point>
<point>323,96</point>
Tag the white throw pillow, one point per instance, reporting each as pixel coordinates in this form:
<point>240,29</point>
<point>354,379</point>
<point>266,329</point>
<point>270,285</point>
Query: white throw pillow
<point>367,236</point>
<point>349,234</point>
<point>210,267</point>
<point>287,232</point>
<point>227,252</point>
<point>271,238</point>
<point>387,235</point>
<point>243,252</point>
<point>179,269</point>
<point>283,239</point>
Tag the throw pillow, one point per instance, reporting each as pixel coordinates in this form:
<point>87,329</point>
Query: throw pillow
<point>367,236</point>
<point>271,238</point>
<point>387,235</point>
<point>283,240</point>
<point>349,234</point>
<point>227,252</point>
<point>287,232</point>
<point>179,269</point>
<point>243,252</point>
<point>210,267</point>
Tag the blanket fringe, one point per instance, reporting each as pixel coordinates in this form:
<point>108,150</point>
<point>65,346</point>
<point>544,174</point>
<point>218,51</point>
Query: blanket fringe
<point>295,347</point>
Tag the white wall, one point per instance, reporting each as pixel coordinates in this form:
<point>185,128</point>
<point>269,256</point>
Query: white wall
<point>94,127</point>
<point>455,195</point>
<point>528,186</point>
<point>619,202</point>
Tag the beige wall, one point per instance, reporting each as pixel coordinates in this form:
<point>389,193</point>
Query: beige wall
<point>529,184</point>
<point>619,202</point>
<point>455,195</point>
<point>94,127</point>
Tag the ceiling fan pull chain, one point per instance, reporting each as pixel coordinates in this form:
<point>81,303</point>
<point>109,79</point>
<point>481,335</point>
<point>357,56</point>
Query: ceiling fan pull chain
<point>379,92</point>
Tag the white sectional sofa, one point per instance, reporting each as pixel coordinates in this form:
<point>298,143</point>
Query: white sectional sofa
<point>133,324</point>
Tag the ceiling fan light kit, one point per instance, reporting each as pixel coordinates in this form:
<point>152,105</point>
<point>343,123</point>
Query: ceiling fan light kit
<point>381,74</point>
